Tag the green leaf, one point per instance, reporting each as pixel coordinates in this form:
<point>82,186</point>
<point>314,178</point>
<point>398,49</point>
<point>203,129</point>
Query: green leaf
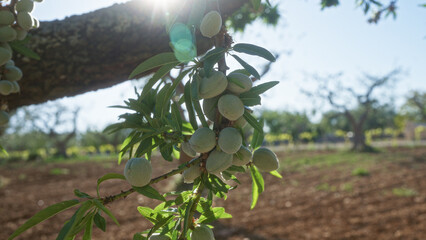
<point>251,100</point>
<point>88,231</point>
<point>253,122</point>
<point>189,108</point>
<point>172,89</point>
<point>67,227</point>
<point>256,4</point>
<point>3,150</point>
<point>124,145</point>
<point>100,222</point>
<point>257,185</point>
<point>148,213</point>
<point>196,103</point>
<point>258,136</point>
<point>81,194</point>
<point>138,236</point>
<point>19,47</point>
<point>65,233</point>
<point>160,223</point>
<point>160,73</point>
<point>234,168</point>
<point>43,215</point>
<point>259,89</point>
<point>210,215</point>
<point>177,119</point>
<point>211,58</point>
<point>275,173</point>
<point>217,186</point>
<point>254,50</point>
<point>150,192</point>
<point>101,207</point>
<point>107,177</point>
<point>166,150</point>
<point>161,101</point>
<point>242,71</point>
<point>186,220</point>
<point>153,62</point>
<point>247,67</point>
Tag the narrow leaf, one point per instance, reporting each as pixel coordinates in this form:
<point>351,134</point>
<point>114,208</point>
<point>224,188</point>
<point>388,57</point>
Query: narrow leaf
<point>211,58</point>
<point>257,185</point>
<point>43,215</point>
<point>19,47</point>
<point>100,222</point>
<point>107,177</point>
<point>161,72</point>
<point>3,150</point>
<point>160,224</point>
<point>88,231</point>
<point>252,121</point>
<point>155,61</point>
<point>196,103</point>
<point>247,67</point>
<point>189,108</point>
<point>177,119</point>
<point>252,100</point>
<point>150,192</point>
<point>259,89</point>
<point>254,50</point>
<point>187,216</point>
<point>275,173</point>
<point>76,220</point>
<point>258,136</point>
<point>101,207</point>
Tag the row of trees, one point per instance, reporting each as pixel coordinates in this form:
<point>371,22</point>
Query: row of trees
<point>53,127</point>
<point>366,115</point>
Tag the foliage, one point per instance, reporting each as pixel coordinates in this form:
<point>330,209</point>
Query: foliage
<point>414,108</point>
<point>247,14</point>
<point>155,122</point>
<point>294,124</point>
<point>373,7</point>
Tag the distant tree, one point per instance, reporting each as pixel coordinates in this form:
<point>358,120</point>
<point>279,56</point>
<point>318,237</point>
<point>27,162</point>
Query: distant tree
<point>341,98</point>
<point>381,116</point>
<point>97,138</point>
<point>55,121</point>
<point>415,107</point>
<point>287,122</point>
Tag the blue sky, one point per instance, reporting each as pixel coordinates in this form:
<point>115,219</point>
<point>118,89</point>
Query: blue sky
<point>310,41</point>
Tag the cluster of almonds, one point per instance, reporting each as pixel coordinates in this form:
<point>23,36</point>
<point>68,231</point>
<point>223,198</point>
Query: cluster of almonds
<point>221,95</point>
<point>15,22</point>
<point>225,147</point>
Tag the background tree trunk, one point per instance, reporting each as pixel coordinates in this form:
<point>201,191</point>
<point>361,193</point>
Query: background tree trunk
<point>98,49</point>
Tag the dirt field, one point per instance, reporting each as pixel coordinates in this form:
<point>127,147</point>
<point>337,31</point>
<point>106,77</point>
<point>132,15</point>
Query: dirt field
<point>320,197</point>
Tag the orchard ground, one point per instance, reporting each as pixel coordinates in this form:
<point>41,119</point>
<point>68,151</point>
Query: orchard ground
<point>324,195</point>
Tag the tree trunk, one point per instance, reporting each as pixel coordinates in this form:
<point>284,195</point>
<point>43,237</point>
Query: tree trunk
<point>358,139</point>
<point>97,50</point>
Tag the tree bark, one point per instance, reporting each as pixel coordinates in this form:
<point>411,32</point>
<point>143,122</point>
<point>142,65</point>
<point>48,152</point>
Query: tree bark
<point>359,139</point>
<point>98,49</point>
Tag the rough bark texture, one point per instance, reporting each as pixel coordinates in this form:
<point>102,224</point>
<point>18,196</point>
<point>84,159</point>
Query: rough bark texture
<point>97,50</point>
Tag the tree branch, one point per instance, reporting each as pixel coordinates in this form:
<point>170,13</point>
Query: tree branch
<point>98,49</point>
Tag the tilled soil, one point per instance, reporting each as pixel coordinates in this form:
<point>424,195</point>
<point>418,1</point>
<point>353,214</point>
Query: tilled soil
<point>312,203</point>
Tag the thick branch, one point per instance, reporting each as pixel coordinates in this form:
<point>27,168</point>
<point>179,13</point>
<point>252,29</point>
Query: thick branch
<point>97,50</point>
